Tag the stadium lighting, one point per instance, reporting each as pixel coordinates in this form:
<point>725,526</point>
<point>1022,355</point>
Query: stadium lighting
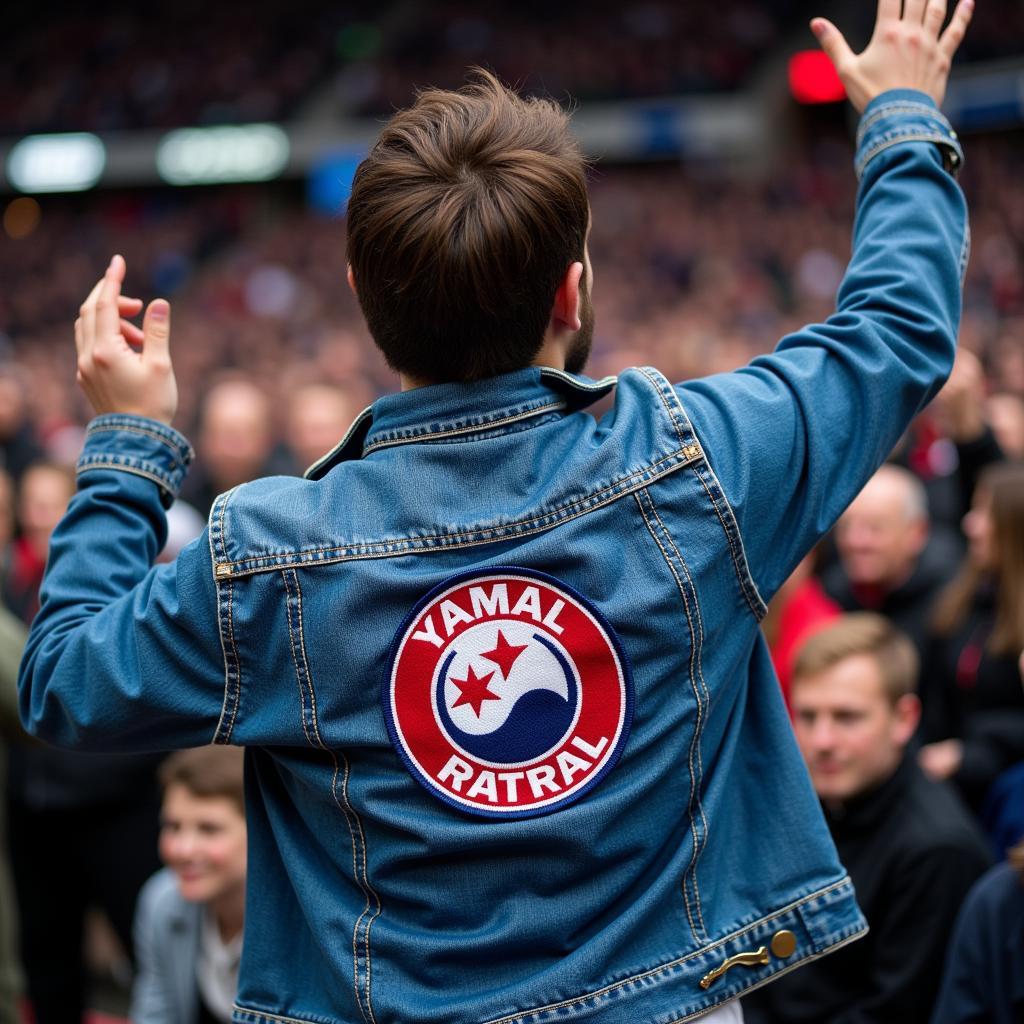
<point>72,162</point>
<point>230,153</point>
<point>813,79</point>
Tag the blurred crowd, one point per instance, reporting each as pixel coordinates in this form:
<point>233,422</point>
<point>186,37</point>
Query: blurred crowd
<point>694,273</point>
<point>106,68</point>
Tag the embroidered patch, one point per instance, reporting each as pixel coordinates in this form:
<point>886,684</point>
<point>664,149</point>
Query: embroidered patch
<point>507,694</point>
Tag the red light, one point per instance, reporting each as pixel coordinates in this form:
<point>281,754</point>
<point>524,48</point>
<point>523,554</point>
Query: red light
<point>813,79</point>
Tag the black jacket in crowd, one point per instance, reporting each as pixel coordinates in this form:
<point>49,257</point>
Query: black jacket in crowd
<point>913,852</point>
<point>975,696</point>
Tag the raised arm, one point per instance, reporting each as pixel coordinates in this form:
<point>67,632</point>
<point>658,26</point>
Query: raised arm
<point>121,655</point>
<point>795,435</point>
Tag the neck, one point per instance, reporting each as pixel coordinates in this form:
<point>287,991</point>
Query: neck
<point>552,353</point>
<point>229,913</point>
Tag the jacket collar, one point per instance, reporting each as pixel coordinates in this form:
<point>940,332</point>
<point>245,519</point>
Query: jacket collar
<point>441,411</point>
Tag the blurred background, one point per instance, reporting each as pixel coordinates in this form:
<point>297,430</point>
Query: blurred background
<point>214,144</point>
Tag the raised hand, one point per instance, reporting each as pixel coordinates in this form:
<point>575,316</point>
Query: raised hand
<point>908,49</point>
<point>121,368</point>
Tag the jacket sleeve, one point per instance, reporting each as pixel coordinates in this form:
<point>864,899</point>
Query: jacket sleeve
<point>122,655</point>
<point>794,435</point>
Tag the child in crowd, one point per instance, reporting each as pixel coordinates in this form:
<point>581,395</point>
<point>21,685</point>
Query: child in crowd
<point>188,928</point>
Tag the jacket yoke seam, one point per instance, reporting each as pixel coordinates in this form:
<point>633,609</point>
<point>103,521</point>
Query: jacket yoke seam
<point>689,875</point>
<point>617,489</point>
<point>730,528</point>
<point>361,877</point>
<point>697,659</point>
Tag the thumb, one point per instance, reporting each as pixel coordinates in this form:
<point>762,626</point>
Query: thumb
<point>831,40</point>
<point>156,329</point>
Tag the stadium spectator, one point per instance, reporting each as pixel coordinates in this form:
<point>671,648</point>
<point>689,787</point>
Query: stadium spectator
<point>188,927</point>
<point>1005,413</point>
<point>318,416</point>
<point>983,982</point>
<point>42,499</point>
<point>234,442</point>
<point>971,683</point>
<point>19,447</point>
<point>962,407</point>
<point>890,561</point>
<point>909,845</point>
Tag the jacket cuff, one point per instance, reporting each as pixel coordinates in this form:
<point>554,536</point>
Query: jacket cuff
<point>906,115</point>
<point>135,444</point>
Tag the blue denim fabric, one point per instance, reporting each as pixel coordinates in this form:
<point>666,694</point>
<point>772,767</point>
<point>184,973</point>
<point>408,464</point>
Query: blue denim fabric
<point>675,516</point>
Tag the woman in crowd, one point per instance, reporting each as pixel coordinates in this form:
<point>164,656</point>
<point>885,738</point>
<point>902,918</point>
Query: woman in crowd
<point>971,685</point>
<point>188,930</point>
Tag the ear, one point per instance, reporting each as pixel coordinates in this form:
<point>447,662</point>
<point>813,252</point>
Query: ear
<point>351,279</point>
<point>907,713</point>
<point>565,312</point>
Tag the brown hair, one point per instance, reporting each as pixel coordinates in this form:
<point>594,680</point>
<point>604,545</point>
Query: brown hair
<point>1004,482</point>
<point>862,633</point>
<point>207,772</point>
<point>461,225</point>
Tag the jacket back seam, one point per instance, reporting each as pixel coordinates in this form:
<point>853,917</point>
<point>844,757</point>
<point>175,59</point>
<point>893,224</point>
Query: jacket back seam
<point>697,926</point>
<point>355,826</point>
<point>225,627</point>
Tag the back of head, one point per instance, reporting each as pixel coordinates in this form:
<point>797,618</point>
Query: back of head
<point>461,225</point>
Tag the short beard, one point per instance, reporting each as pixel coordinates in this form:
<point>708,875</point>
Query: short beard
<point>579,348</point>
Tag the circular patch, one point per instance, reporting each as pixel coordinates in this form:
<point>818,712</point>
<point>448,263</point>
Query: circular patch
<point>507,693</point>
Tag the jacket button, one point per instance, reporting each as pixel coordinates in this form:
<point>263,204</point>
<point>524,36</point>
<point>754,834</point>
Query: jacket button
<point>783,944</point>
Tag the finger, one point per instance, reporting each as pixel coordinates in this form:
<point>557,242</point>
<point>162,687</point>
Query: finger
<point>156,331</point>
<point>913,11</point>
<point>129,307</point>
<point>132,334</point>
<point>935,16</point>
<point>888,10</point>
<point>831,40</point>
<point>951,39</point>
<point>107,319</point>
<point>85,333</point>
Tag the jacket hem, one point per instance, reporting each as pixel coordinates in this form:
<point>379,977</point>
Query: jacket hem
<point>671,993</point>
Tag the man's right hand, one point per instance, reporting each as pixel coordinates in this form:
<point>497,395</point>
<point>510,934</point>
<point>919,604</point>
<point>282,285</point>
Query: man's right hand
<point>906,50</point>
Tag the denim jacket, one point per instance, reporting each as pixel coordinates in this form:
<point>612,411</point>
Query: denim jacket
<point>516,752</point>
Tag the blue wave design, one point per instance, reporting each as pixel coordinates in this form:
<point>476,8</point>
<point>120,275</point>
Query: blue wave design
<point>539,719</point>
